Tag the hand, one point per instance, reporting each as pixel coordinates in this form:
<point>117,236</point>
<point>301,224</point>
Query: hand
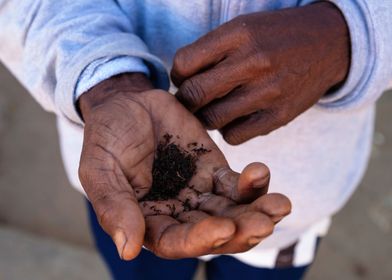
<point>124,121</point>
<point>259,71</point>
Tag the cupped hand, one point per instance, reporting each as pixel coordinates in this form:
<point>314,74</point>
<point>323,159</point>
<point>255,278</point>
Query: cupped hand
<point>124,122</point>
<point>259,71</point>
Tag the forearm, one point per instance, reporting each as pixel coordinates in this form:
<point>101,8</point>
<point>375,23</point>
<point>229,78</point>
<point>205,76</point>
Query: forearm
<point>369,24</point>
<point>51,46</point>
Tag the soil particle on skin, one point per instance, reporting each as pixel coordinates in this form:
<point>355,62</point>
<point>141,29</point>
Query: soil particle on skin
<point>173,168</point>
<point>187,205</point>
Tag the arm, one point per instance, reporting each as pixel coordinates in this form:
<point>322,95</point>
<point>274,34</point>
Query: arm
<point>269,67</point>
<point>68,51</point>
<point>370,28</point>
<point>50,46</point>
<point>124,122</point>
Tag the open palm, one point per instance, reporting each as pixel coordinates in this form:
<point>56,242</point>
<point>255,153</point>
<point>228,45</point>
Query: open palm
<point>219,212</point>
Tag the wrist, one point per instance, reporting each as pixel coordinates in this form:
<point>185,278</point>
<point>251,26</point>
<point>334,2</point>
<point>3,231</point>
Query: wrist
<point>333,30</point>
<point>123,84</point>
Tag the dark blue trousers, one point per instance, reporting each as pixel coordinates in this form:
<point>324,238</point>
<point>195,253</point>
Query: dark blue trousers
<point>147,266</point>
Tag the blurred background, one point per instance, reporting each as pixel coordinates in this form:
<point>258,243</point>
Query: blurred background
<point>43,225</point>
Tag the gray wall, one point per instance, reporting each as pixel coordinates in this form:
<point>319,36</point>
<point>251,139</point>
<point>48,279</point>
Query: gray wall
<point>34,192</point>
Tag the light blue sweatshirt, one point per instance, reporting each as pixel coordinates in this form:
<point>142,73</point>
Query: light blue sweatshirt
<point>60,49</point>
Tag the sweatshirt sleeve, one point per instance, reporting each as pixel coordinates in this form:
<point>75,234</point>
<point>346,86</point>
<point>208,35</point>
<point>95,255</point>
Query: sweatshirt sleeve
<point>59,49</point>
<point>370,27</point>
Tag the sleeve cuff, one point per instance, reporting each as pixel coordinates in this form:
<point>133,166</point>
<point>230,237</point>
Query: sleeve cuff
<point>363,55</point>
<point>100,59</point>
<point>104,68</point>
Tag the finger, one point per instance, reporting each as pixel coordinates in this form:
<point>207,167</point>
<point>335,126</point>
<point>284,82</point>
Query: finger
<point>252,225</point>
<point>193,216</point>
<point>214,205</point>
<point>121,218</point>
<point>207,202</point>
<point>206,165</point>
<point>201,89</point>
<point>203,53</point>
<point>245,187</point>
<point>256,124</point>
<point>252,228</point>
<point>253,182</point>
<point>167,238</point>
<point>171,207</point>
<point>240,102</point>
<point>275,205</point>
<point>114,202</point>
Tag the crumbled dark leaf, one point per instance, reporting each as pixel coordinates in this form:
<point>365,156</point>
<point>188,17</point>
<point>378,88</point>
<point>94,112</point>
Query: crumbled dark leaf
<point>173,168</point>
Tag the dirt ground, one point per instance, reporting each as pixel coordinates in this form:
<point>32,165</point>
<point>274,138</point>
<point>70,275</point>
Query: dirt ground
<point>43,227</point>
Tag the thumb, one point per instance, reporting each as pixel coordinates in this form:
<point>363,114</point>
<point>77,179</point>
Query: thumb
<point>116,207</point>
<point>120,217</point>
<point>245,187</point>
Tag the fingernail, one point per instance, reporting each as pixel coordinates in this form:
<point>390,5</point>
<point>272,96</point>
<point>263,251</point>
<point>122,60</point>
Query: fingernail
<point>260,183</point>
<point>120,240</point>
<point>254,240</point>
<point>219,243</point>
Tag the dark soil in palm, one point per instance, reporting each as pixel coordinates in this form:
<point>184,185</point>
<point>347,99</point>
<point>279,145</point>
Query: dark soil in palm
<point>173,168</point>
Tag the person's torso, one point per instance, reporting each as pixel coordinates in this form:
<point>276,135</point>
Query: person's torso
<point>317,160</point>
<point>166,25</point>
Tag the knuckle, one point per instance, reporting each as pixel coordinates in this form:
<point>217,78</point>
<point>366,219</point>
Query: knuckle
<point>274,92</point>
<point>242,30</point>
<point>246,30</point>
<point>273,119</point>
<point>192,93</point>
<point>179,61</point>
<point>213,119</point>
<point>259,61</point>
<point>263,59</point>
<point>245,131</point>
<point>240,25</point>
<point>105,214</point>
<point>94,165</point>
<point>233,137</point>
<point>282,116</point>
<point>106,204</point>
<point>258,97</point>
<point>103,207</point>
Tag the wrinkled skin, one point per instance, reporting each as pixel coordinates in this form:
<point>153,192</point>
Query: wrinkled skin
<point>259,71</point>
<point>124,120</point>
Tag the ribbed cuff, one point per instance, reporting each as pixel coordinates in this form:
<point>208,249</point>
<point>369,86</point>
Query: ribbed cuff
<point>362,56</point>
<point>114,45</point>
<point>104,68</point>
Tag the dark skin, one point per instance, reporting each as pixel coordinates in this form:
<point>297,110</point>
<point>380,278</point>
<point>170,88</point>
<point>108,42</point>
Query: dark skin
<point>246,78</point>
<point>260,71</point>
<point>125,118</point>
